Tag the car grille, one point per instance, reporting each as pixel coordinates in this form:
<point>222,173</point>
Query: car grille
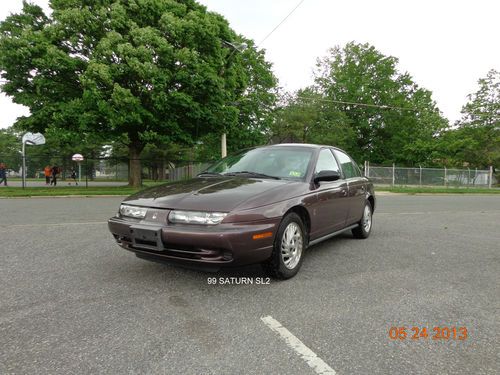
<point>176,251</point>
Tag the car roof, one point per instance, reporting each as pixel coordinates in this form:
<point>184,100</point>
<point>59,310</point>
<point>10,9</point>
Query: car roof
<point>309,145</point>
<point>296,144</point>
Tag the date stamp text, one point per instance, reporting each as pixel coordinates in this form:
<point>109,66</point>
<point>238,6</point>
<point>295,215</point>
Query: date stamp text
<point>424,333</point>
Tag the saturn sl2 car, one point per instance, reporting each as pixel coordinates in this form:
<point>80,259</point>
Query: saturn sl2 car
<point>263,205</point>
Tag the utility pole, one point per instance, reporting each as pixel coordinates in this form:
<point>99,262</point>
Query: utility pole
<point>223,145</point>
<point>24,164</point>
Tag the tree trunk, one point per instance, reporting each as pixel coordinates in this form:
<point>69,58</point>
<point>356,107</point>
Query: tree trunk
<point>161,175</point>
<point>154,172</point>
<point>135,170</point>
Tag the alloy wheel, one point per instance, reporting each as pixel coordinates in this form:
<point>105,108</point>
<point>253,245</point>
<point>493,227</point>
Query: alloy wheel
<point>367,219</point>
<point>291,245</point>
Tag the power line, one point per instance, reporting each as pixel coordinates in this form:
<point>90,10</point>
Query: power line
<point>382,106</point>
<point>283,20</point>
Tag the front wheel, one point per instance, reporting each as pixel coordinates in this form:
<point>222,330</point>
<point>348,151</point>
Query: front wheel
<point>364,227</point>
<point>288,251</point>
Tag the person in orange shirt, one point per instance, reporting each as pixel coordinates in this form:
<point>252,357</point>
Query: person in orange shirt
<point>48,172</point>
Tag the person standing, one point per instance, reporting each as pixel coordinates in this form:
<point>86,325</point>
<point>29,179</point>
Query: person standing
<point>55,171</point>
<point>73,177</point>
<point>47,172</point>
<point>3,174</point>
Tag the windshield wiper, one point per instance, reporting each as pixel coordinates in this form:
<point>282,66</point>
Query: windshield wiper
<point>208,174</point>
<point>253,174</point>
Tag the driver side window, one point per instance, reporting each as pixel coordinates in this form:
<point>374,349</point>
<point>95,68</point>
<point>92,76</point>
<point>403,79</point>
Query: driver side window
<point>348,166</point>
<point>326,162</point>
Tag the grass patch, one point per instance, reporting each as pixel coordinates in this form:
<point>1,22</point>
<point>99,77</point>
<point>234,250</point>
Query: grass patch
<point>68,190</point>
<point>436,190</point>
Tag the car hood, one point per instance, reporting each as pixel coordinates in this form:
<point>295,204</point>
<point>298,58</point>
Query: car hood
<point>213,194</point>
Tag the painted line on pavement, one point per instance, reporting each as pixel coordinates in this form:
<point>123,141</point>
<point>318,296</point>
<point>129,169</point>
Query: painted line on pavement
<point>437,212</point>
<point>316,363</point>
<point>50,224</point>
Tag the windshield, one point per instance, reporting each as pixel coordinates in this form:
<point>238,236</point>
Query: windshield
<point>282,162</point>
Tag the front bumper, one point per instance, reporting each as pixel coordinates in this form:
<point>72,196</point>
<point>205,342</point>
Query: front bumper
<point>213,246</point>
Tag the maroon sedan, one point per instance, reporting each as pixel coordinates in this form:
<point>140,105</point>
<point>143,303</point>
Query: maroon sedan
<point>263,205</point>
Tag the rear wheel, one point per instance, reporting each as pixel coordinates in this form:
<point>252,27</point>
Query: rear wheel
<point>288,251</point>
<point>364,227</point>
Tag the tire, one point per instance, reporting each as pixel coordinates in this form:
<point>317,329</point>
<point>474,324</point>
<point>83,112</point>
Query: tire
<point>284,264</point>
<point>365,225</point>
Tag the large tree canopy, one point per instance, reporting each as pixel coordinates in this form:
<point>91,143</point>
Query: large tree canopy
<point>395,120</point>
<point>148,69</point>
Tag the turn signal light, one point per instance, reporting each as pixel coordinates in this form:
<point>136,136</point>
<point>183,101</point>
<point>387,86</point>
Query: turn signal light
<point>262,235</point>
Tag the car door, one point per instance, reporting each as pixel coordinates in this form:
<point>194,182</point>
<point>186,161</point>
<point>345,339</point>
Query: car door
<point>330,208</point>
<point>356,185</point>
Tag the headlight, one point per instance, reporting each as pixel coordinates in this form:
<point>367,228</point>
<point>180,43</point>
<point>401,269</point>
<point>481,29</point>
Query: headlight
<point>194,217</point>
<point>133,211</point>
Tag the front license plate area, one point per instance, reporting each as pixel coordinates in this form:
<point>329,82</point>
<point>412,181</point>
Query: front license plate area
<point>145,237</point>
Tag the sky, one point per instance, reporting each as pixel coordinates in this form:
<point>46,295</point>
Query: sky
<point>445,45</point>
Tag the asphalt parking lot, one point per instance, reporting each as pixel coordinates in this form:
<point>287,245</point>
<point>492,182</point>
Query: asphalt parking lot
<point>72,301</point>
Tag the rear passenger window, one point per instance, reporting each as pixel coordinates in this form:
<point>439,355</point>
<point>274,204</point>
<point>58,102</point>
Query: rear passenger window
<point>326,162</point>
<point>349,168</point>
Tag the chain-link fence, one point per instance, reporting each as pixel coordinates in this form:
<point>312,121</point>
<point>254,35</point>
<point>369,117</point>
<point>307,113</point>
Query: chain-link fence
<point>418,176</point>
<point>98,169</point>
<point>186,172</point>
<point>114,169</point>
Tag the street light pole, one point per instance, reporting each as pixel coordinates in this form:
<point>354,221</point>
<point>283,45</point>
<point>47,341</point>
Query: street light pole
<point>31,139</point>
<point>236,48</point>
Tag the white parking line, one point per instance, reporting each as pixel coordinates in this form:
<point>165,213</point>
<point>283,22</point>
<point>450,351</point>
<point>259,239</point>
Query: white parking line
<point>438,212</point>
<point>316,363</point>
<point>50,224</point>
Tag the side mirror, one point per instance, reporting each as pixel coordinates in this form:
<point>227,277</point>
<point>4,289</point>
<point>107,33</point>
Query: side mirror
<point>326,176</point>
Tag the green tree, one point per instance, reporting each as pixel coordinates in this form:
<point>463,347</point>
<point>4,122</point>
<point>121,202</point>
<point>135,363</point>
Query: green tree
<point>308,118</point>
<point>397,121</point>
<point>10,147</point>
<point>297,117</point>
<point>253,108</point>
<point>146,69</point>
<point>479,127</point>
<point>474,140</point>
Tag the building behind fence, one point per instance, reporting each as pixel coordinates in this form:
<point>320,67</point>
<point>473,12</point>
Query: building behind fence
<point>185,172</point>
<point>120,171</point>
<point>418,176</point>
